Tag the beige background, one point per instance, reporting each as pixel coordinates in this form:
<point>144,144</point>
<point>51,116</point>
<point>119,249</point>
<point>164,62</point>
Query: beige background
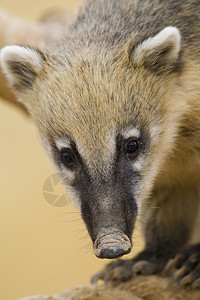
<point>43,249</point>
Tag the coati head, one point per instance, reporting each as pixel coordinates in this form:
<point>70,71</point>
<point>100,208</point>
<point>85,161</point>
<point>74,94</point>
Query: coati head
<point>107,117</point>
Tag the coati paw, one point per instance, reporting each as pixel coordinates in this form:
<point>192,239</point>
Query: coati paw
<point>145,267</point>
<point>148,264</point>
<point>115,272</point>
<point>184,268</point>
<point>122,270</point>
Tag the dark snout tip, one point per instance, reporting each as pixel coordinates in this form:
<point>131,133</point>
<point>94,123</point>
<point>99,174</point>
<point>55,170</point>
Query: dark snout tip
<point>110,253</point>
<point>112,244</point>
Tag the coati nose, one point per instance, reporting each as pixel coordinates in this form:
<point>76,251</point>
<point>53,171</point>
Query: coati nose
<point>111,244</point>
<point>112,253</point>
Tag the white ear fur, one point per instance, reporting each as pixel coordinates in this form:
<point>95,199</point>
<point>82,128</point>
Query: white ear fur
<point>21,65</point>
<point>165,45</point>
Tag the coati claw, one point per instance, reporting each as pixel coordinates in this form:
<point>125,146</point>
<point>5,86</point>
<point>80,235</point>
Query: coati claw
<point>116,272</point>
<point>184,268</point>
<point>170,266</point>
<point>144,267</point>
<point>96,277</point>
<point>148,263</point>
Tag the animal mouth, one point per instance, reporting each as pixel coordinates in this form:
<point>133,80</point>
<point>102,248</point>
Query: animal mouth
<point>111,244</point>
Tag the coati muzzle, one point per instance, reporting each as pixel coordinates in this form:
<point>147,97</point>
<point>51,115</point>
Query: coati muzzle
<point>111,243</point>
<point>109,211</point>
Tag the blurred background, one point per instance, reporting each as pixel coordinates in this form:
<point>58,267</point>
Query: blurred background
<point>44,248</point>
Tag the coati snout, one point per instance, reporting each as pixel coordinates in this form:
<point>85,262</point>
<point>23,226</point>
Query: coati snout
<point>109,211</point>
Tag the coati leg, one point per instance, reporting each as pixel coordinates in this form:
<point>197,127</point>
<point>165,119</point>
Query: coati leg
<point>171,216</point>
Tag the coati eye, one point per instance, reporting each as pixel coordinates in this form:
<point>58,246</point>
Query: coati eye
<point>131,147</point>
<point>67,157</point>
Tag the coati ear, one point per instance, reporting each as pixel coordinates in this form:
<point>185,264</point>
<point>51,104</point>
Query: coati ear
<point>159,52</point>
<point>21,65</point>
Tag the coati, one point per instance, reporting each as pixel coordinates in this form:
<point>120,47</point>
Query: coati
<point>117,106</point>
